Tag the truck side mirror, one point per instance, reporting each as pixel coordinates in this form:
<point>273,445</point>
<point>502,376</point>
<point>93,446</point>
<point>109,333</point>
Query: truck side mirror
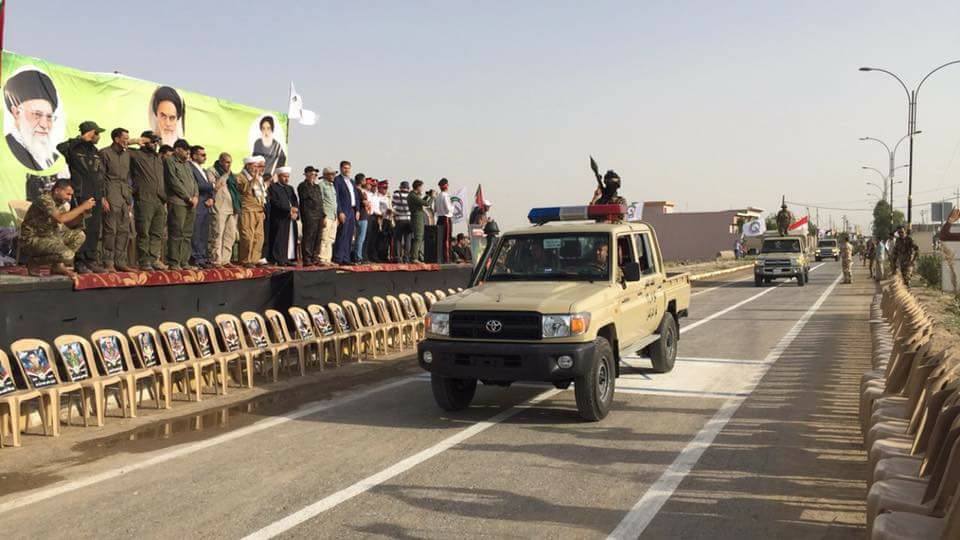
<point>631,272</point>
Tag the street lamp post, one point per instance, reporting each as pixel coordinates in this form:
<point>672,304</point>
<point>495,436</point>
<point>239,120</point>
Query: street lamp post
<point>911,123</point>
<point>891,159</point>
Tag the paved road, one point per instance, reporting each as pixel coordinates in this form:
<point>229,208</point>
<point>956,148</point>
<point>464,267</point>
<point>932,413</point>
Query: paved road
<point>752,433</point>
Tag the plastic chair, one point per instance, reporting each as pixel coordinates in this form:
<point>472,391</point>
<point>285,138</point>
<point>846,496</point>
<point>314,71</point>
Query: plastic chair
<point>151,356</point>
<point>174,337</point>
<point>307,332</point>
<point>408,329</point>
<point>324,328</point>
<point>230,330</point>
<point>368,335</point>
<point>133,374</point>
<point>35,360</point>
<point>348,335</point>
<point>81,367</point>
<point>410,313</point>
<point>281,335</point>
<point>14,399</point>
<point>205,343</point>
<point>383,334</point>
<point>394,328</point>
<point>257,337</point>
<point>19,210</point>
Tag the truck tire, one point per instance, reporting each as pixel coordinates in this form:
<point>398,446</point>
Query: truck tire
<point>817,258</point>
<point>452,394</point>
<point>757,281</point>
<point>594,389</point>
<point>664,352</point>
<point>800,279</point>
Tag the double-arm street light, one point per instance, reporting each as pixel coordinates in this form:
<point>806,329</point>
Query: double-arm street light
<point>887,180</point>
<point>891,159</point>
<point>911,123</point>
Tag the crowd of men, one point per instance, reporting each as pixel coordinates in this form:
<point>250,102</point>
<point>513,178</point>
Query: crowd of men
<point>142,191</point>
<point>895,254</point>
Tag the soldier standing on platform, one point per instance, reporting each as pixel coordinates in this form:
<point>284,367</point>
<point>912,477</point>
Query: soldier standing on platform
<point>784,219</point>
<point>86,176</point>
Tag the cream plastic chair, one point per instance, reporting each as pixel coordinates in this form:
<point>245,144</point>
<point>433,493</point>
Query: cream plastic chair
<point>134,375</point>
<point>306,331</point>
<point>431,299</point>
<point>346,330</point>
<point>325,329</point>
<point>14,399</point>
<point>35,360</point>
<point>19,210</point>
<point>230,330</point>
<point>151,355</point>
<point>374,337</point>
<point>394,329</point>
<point>410,313</point>
<point>257,337</point>
<point>440,294</point>
<point>81,367</point>
<point>451,292</point>
<point>281,335</point>
<point>382,333</point>
<point>205,343</point>
<point>204,370</point>
<point>408,329</point>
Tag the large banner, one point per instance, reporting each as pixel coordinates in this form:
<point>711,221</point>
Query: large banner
<point>44,104</point>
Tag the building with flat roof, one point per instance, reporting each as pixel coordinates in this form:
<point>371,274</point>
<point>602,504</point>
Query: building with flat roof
<point>695,236</point>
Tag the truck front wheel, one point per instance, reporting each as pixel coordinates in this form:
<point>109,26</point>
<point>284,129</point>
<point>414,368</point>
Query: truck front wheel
<point>594,389</point>
<point>663,353</point>
<point>452,394</point>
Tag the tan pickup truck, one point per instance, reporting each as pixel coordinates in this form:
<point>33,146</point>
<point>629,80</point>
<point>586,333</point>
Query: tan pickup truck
<point>558,303</point>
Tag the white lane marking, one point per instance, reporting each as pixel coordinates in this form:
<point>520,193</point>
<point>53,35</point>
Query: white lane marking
<point>370,482</point>
<point>728,309</point>
<point>647,508</point>
<point>720,286</point>
<point>166,455</point>
<point>700,359</point>
<point>677,392</point>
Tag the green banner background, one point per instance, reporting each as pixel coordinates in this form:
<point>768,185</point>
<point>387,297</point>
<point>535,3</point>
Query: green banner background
<point>114,100</point>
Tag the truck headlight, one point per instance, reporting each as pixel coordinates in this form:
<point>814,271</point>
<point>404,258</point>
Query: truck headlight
<point>555,326</point>
<point>438,323</point>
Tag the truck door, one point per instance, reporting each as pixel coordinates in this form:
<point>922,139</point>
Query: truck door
<point>652,282</point>
<point>484,264</point>
<point>631,302</point>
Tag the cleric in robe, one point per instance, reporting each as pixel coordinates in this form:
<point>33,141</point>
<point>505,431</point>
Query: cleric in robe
<point>269,147</point>
<point>167,114</point>
<point>31,99</point>
<point>284,212</point>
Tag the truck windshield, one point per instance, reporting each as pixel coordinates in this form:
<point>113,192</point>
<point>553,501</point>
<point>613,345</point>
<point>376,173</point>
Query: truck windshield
<point>781,245</point>
<point>827,243</point>
<point>552,257</point>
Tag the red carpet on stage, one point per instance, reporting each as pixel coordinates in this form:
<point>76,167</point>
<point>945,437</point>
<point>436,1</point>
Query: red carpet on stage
<point>213,275</point>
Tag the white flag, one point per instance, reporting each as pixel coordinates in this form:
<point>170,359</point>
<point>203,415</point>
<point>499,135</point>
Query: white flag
<point>755,228</point>
<point>458,207</point>
<point>296,111</point>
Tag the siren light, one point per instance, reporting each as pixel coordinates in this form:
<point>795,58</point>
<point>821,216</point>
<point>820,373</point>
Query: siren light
<point>539,216</point>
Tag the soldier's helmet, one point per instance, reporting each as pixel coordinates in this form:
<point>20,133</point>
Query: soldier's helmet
<point>611,180</point>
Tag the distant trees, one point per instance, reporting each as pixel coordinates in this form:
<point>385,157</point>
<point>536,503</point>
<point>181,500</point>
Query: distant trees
<point>886,219</point>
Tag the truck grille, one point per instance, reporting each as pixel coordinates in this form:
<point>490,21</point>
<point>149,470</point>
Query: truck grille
<point>520,325</point>
<point>777,263</point>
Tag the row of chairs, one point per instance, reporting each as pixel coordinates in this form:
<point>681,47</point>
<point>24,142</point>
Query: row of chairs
<point>85,373</point>
<point>910,417</point>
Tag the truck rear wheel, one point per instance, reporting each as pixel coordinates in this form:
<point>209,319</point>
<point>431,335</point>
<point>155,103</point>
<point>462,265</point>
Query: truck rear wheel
<point>757,281</point>
<point>663,353</point>
<point>800,279</point>
<point>452,394</point>
<point>594,389</point>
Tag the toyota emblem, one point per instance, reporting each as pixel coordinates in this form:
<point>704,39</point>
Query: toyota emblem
<point>494,326</point>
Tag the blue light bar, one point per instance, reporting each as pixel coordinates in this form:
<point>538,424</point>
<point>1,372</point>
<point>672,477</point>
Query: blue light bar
<point>577,213</point>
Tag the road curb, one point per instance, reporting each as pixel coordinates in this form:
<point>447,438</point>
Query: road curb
<point>720,272</point>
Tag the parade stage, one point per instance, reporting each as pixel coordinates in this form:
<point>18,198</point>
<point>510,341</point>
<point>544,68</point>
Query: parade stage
<point>48,307</point>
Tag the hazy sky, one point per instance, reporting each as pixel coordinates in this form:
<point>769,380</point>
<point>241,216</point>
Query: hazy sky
<point>712,105</point>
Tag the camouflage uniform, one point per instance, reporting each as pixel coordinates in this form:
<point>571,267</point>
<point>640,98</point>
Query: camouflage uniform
<point>43,240</point>
<point>907,257</point>
<point>846,261</point>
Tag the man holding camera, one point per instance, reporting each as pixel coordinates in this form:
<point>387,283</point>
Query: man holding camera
<point>418,218</point>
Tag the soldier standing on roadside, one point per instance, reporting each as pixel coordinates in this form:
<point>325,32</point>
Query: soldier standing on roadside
<point>846,258</point>
<point>908,257</point>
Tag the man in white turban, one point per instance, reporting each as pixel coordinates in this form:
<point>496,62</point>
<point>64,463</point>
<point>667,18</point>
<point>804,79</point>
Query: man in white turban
<point>253,199</point>
<point>284,211</point>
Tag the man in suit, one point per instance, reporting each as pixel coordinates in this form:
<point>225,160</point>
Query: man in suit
<point>347,214</point>
<point>200,242</point>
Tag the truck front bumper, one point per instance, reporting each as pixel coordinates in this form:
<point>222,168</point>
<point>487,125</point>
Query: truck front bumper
<point>777,271</point>
<point>505,362</point>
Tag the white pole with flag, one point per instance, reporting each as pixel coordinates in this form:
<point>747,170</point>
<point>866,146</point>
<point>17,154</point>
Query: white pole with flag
<point>295,110</point>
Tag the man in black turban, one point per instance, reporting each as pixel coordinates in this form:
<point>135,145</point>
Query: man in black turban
<point>32,101</point>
